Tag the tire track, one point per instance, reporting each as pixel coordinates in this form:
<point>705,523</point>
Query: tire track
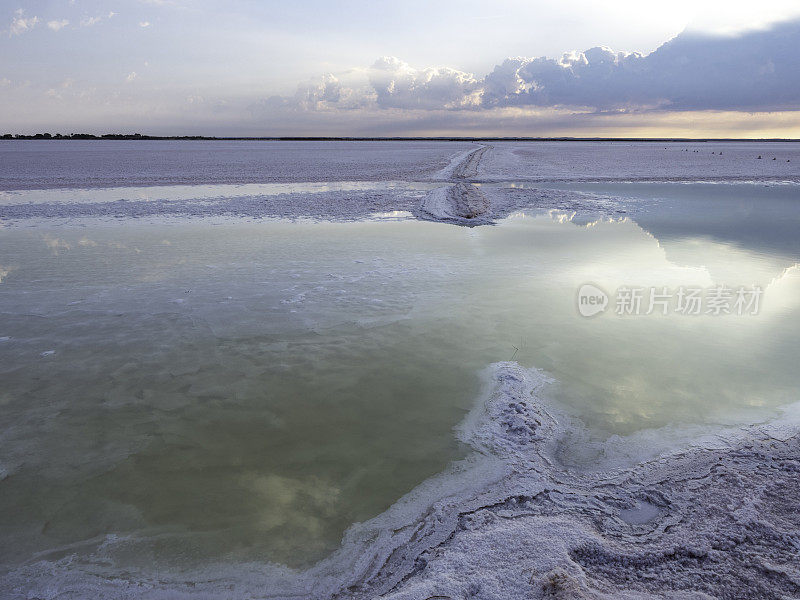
<point>468,167</point>
<point>461,202</point>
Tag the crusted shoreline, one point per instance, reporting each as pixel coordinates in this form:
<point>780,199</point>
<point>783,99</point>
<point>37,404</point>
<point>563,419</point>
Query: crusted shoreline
<point>721,522</point>
<point>718,517</point>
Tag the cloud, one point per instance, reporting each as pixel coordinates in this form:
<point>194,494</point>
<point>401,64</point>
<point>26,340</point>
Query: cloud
<point>745,85</point>
<point>326,92</point>
<point>90,21</point>
<point>57,25</point>
<point>398,85</point>
<point>316,93</point>
<point>757,70</point>
<point>21,24</point>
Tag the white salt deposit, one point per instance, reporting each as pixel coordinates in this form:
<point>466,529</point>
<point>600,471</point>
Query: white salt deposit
<point>392,179</point>
<point>512,522</point>
<point>541,507</point>
<point>461,203</point>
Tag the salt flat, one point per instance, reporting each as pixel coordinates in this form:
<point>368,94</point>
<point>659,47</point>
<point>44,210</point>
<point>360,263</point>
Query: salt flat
<point>82,164</point>
<point>359,370</point>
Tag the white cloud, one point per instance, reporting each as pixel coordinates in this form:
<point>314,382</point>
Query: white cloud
<point>57,25</point>
<point>398,85</point>
<point>317,93</point>
<point>756,70</point>
<point>21,24</point>
<point>326,92</point>
<point>89,21</point>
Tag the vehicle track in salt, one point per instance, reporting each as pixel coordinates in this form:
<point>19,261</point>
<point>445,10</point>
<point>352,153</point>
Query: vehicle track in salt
<point>468,167</point>
<point>460,203</point>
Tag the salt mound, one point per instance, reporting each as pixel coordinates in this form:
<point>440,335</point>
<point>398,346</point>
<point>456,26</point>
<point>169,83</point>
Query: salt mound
<point>461,203</point>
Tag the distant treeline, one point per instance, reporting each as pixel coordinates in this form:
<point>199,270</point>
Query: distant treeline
<point>139,136</point>
<point>91,136</point>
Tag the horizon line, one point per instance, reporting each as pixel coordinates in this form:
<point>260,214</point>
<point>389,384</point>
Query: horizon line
<point>321,138</point>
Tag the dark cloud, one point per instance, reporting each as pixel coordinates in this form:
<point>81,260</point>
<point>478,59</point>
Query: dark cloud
<point>758,70</point>
<point>753,71</point>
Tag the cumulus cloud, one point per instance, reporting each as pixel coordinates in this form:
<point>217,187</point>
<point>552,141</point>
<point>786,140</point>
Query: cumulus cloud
<point>754,71</point>
<point>757,70</point>
<point>398,85</point>
<point>21,24</point>
<point>326,92</point>
<point>315,94</point>
<point>598,77</point>
<point>57,25</point>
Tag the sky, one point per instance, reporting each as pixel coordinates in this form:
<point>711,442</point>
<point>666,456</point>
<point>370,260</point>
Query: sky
<point>389,68</point>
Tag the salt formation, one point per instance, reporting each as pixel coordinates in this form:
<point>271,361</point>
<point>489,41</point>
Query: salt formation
<point>701,522</point>
<point>461,203</point>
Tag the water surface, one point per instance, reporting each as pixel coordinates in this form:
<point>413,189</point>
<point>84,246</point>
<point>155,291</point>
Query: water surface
<point>245,391</point>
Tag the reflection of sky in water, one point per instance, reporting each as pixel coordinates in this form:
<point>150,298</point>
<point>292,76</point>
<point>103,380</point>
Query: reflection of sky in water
<point>252,389</point>
<point>759,216</point>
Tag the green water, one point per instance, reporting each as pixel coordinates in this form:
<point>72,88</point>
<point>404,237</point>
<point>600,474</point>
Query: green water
<point>246,391</point>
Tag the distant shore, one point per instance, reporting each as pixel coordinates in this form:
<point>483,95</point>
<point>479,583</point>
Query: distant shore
<point>138,136</point>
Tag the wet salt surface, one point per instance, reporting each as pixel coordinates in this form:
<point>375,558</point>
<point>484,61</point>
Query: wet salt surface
<point>175,193</point>
<point>642,161</point>
<point>225,397</point>
<point>640,513</point>
<point>84,164</point>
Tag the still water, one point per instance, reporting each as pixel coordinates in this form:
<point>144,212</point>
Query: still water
<point>246,391</point>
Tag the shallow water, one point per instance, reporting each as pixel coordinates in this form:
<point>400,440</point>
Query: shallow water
<point>245,391</point>
<point>197,193</point>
